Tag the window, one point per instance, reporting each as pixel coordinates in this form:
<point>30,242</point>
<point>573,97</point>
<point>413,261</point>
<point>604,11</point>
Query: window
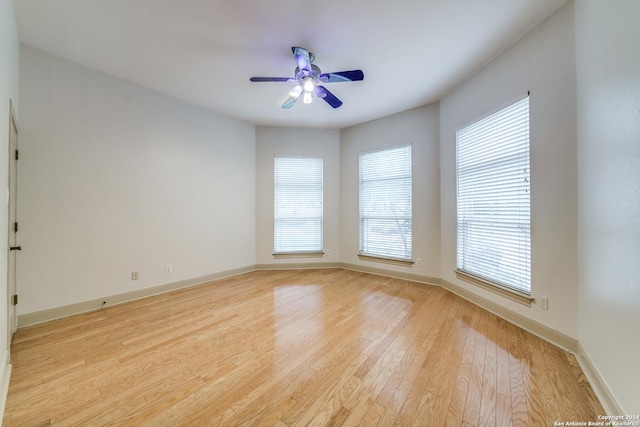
<point>298,205</point>
<point>493,218</point>
<point>385,203</point>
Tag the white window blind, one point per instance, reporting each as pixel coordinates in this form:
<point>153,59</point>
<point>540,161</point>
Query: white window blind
<point>298,204</point>
<point>385,203</point>
<point>493,218</point>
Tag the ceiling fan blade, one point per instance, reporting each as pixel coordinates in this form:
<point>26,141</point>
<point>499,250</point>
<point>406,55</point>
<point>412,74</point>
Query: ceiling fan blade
<point>323,92</point>
<point>303,57</point>
<point>342,76</point>
<point>272,79</point>
<point>291,100</point>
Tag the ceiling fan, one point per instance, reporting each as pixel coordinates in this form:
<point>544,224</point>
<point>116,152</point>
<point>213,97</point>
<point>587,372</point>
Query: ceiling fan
<point>309,79</point>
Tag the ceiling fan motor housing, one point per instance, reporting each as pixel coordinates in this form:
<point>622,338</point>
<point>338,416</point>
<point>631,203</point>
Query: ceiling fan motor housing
<point>314,73</point>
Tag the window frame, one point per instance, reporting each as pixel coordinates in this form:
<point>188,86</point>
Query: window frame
<point>517,291</point>
<point>284,252</point>
<point>376,256</point>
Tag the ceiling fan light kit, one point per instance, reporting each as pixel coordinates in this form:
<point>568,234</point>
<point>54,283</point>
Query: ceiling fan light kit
<point>308,79</point>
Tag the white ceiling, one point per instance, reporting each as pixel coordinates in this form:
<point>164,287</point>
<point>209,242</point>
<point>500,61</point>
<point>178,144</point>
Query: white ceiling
<point>412,52</point>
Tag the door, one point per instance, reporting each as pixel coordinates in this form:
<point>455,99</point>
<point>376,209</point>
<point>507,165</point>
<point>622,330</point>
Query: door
<point>13,248</point>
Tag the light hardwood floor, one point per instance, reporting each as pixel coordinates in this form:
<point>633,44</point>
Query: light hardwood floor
<point>312,347</point>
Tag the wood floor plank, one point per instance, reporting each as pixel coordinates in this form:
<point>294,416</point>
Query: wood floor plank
<point>471,413</point>
<point>445,387</point>
<point>489,377</point>
<point>427,319</point>
<point>293,348</point>
<point>463,378</point>
<point>502,354</point>
<point>328,396</point>
<point>429,362</point>
<point>531,373</point>
<point>548,398</point>
<point>503,411</point>
<point>519,410</point>
<point>339,418</point>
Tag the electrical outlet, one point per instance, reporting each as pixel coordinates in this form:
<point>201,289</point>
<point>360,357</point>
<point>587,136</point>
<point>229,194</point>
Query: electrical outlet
<point>134,275</point>
<point>544,303</point>
<point>168,269</point>
<point>327,252</point>
<point>418,262</point>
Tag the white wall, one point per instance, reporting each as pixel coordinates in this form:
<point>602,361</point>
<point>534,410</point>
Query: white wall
<point>272,141</point>
<point>115,178</point>
<point>418,127</point>
<point>543,62</point>
<point>608,70</point>
<point>9,51</point>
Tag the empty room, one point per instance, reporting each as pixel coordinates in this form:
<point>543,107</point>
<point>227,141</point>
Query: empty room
<point>412,213</point>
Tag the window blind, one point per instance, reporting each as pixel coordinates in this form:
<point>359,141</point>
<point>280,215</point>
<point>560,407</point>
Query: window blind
<point>493,211</point>
<point>385,203</point>
<point>298,204</point>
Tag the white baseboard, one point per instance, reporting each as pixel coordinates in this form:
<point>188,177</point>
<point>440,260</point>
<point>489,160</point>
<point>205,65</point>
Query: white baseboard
<point>95,304</point>
<point>608,401</point>
<point>296,265</point>
<point>5,376</point>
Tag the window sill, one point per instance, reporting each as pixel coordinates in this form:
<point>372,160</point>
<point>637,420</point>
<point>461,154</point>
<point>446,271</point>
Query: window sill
<point>496,288</point>
<point>395,261</point>
<point>312,254</point>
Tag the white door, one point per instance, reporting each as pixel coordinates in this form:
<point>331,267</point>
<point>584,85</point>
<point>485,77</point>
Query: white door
<point>13,227</point>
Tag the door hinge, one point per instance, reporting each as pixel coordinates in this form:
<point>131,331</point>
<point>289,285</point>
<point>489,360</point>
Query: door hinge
<point>15,299</point>
<point>17,154</point>
<point>15,227</point>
